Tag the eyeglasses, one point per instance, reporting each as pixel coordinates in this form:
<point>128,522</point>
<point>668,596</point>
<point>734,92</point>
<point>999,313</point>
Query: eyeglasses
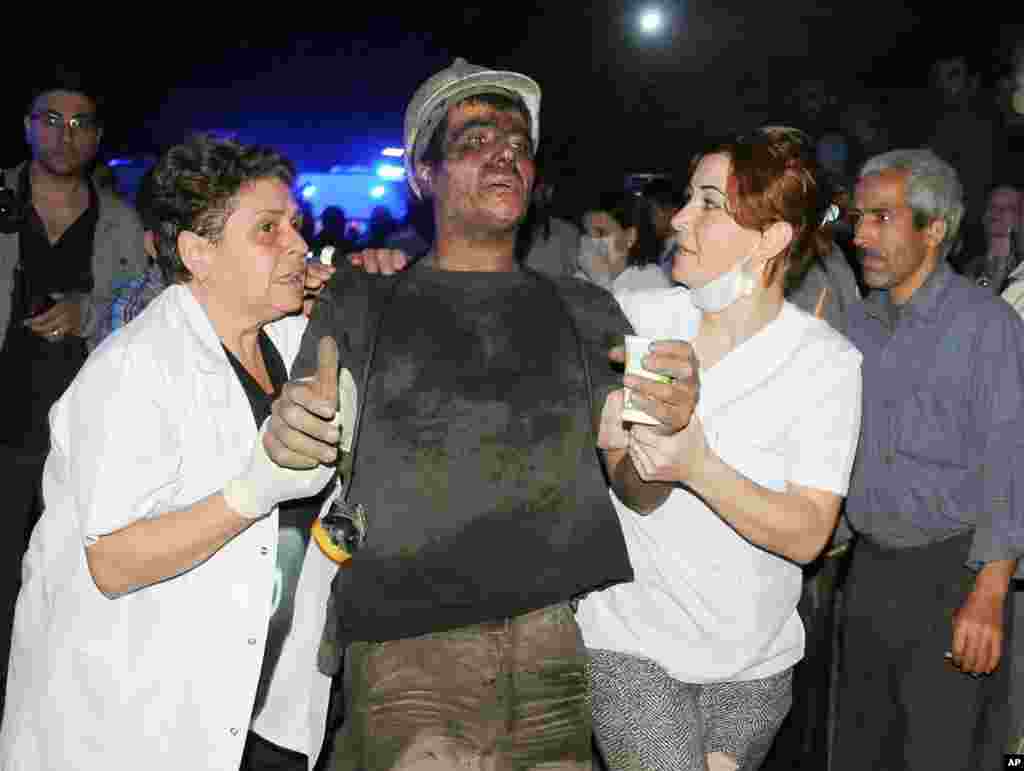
<point>86,122</point>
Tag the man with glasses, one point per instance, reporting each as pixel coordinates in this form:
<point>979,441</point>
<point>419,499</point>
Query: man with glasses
<point>936,493</point>
<point>63,248</point>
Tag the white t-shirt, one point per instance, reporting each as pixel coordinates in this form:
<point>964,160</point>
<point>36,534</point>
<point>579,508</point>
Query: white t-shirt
<point>706,604</point>
<point>1014,292</point>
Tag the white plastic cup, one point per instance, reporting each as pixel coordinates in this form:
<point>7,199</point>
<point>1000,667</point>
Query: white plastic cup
<point>636,349</point>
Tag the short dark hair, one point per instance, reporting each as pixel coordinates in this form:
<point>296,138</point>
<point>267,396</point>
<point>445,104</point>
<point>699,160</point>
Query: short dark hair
<point>632,211</point>
<point>195,188</point>
<point>61,79</point>
<point>433,154</point>
<point>333,217</point>
<point>663,192</point>
<point>1003,185</point>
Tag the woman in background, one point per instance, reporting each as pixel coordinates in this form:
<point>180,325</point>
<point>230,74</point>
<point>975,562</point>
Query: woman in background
<point>619,249</point>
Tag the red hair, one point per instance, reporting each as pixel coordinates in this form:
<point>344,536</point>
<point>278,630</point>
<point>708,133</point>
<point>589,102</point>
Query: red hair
<point>773,177</point>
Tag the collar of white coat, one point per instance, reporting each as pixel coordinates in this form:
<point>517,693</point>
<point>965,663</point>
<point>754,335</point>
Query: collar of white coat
<point>210,357</point>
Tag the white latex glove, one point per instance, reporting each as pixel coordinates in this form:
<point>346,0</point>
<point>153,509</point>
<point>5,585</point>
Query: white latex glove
<point>266,483</point>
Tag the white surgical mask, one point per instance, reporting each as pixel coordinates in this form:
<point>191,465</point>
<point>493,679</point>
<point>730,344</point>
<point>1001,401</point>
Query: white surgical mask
<point>719,293</point>
<point>593,258</point>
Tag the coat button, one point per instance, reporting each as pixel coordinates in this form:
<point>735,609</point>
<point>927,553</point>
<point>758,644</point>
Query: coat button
<point>264,550</point>
<point>234,732</point>
<point>252,641</point>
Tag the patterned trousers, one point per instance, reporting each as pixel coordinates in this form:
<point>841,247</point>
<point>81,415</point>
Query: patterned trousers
<point>645,720</point>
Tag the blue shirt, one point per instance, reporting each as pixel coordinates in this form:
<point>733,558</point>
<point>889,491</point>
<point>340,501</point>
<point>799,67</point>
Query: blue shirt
<point>943,419</point>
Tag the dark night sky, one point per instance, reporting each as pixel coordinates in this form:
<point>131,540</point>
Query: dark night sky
<point>613,101</point>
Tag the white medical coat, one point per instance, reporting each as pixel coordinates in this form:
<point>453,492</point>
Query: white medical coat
<point>163,678</point>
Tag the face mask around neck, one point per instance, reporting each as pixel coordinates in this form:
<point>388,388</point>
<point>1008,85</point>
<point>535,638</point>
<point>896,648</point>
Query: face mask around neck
<point>718,294</point>
<point>594,257</point>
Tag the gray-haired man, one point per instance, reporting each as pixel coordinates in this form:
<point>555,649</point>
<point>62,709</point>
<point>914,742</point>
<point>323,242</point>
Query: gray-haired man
<point>936,492</point>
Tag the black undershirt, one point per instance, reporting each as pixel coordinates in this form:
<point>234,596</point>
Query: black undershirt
<point>260,400</point>
<point>296,515</point>
<point>63,266</point>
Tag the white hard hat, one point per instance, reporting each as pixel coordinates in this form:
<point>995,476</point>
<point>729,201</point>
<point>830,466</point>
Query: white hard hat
<point>460,80</point>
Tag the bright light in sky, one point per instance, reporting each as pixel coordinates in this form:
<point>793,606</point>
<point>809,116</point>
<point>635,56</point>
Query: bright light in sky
<point>308,191</point>
<point>378,192</point>
<point>651,20</point>
<point>393,152</point>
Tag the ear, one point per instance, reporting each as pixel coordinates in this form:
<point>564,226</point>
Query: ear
<point>149,243</point>
<point>631,234</point>
<point>195,252</point>
<point>425,177</point>
<point>934,233</point>
<point>775,240</point>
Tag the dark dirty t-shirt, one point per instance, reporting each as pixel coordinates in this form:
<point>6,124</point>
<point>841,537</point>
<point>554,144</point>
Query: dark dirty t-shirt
<point>476,459</point>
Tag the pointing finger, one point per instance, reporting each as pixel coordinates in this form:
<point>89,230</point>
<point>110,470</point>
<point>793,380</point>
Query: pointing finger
<point>326,383</point>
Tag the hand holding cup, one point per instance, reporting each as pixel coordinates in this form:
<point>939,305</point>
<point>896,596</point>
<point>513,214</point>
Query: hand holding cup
<point>662,382</point>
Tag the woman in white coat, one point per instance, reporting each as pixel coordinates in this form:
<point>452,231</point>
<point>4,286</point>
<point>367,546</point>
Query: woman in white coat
<point>140,628</point>
<point>692,662</point>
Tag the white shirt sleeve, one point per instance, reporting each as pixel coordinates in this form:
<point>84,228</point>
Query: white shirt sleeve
<point>1014,294</point>
<point>822,443</point>
<point>116,450</point>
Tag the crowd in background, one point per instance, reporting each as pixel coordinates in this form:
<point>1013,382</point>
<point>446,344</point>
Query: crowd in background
<point>622,240</point>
